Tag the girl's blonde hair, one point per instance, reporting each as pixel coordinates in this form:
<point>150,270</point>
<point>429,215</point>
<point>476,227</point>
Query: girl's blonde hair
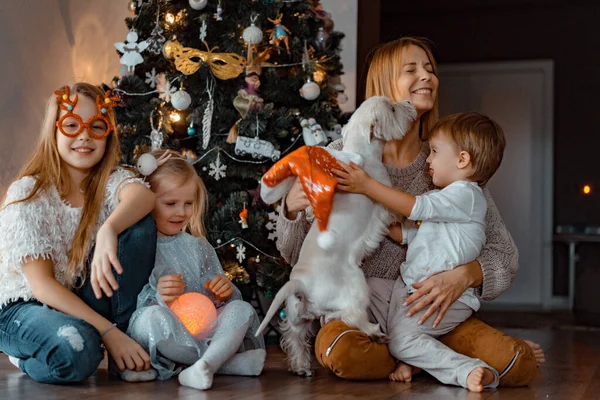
<point>48,169</point>
<point>177,170</point>
<point>386,66</point>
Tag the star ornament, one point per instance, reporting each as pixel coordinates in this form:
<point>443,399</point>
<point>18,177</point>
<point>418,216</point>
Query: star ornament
<point>312,165</point>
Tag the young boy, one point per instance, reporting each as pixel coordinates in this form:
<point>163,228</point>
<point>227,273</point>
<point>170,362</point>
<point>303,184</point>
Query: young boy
<point>466,150</point>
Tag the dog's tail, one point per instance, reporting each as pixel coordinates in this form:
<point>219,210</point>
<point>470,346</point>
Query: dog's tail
<point>326,240</point>
<point>291,288</point>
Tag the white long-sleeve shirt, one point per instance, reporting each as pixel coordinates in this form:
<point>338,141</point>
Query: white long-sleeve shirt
<point>452,233</point>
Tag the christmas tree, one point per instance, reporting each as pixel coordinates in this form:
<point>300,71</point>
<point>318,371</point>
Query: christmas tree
<point>234,85</point>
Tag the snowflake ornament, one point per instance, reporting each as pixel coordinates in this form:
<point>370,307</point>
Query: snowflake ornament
<point>217,170</point>
<point>241,252</point>
<point>164,88</point>
<point>151,78</point>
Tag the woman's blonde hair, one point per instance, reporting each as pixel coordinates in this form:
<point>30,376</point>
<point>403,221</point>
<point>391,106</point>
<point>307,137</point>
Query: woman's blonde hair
<point>386,66</point>
<point>48,169</point>
<point>177,170</point>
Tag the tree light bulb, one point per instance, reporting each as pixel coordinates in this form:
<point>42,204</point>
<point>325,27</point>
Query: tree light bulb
<point>587,189</point>
<point>175,116</point>
<point>170,18</point>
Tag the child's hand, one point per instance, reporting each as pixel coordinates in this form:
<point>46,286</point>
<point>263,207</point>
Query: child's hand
<point>396,232</point>
<point>105,259</point>
<point>352,179</point>
<point>221,287</point>
<point>170,287</point>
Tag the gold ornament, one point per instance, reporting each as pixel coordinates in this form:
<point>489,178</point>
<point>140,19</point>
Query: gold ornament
<point>132,6</point>
<point>223,65</point>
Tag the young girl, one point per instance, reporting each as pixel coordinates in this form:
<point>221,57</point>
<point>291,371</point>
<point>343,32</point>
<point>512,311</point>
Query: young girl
<point>69,195</point>
<point>188,263</point>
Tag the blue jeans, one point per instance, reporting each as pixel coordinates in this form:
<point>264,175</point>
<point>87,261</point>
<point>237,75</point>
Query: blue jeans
<point>57,348</point>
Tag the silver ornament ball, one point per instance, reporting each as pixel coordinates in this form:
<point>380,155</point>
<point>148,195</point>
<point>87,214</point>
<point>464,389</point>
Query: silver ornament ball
<point>146,164</point>
<point>310,91</point>
<point>181,100</point>
<point>198,4</point>
<point>252,34</point>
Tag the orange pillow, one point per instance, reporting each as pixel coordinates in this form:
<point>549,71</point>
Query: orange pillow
<point>350,354</point>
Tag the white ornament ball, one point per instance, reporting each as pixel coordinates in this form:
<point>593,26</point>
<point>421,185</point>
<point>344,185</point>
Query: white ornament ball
<point>198,4</point>
<point>310,91</point>
<point>252,34</point>
<point>146,164</point>
<point>181,100</point>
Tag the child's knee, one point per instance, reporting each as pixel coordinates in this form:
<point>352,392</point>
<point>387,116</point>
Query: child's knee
<point>241,308</point>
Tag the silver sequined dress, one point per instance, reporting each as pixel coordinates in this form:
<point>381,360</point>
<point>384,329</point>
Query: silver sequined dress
<point>157,329</point>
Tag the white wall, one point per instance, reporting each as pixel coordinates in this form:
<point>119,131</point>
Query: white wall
<point>345,16</point>
<point>45,44</point>
<point>48,43</point>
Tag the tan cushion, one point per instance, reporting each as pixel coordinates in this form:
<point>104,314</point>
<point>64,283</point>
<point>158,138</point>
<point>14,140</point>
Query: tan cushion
<point>353,355</point>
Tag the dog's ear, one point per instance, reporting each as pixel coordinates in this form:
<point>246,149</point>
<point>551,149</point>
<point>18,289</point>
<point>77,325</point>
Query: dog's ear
<point>373,130</point>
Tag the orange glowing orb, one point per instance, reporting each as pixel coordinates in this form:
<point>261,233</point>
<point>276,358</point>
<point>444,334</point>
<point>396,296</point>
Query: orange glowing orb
<point>587,189</point>
<point>196,311</point>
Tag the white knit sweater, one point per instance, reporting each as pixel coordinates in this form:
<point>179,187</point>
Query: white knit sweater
<point>44,227</point>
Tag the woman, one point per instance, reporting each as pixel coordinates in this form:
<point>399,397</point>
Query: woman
<point>405,69</point>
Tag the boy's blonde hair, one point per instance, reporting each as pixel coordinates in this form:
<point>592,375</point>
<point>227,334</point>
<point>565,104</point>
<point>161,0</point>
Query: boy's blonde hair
<point>478,135</point>
<point>385,68</point>
<point>46,166</point>
<point>177,170</point>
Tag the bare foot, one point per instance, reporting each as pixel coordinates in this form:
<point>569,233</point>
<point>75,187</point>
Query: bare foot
<point>479,378</point>
<point>403,372</point>
<point>540,357</point>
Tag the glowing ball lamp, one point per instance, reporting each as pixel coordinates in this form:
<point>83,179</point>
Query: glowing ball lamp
<point>196,311</point>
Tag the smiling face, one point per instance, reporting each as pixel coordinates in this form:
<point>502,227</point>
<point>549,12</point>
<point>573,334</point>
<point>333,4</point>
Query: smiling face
<point>81,152</point>
<point>417,81</point>
<point>174,207</point>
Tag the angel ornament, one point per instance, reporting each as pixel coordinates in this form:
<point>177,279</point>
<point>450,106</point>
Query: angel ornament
<point>279,33</point>
<point>131,50</point>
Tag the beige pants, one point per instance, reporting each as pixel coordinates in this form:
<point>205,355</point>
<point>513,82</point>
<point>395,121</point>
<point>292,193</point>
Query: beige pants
<point>417,344</point>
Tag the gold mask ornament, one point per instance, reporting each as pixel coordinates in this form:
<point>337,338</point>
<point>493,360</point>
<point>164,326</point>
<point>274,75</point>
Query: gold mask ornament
<point>223,65</point>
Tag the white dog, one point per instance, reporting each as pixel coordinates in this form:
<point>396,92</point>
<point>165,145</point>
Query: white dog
<point>327,281</point>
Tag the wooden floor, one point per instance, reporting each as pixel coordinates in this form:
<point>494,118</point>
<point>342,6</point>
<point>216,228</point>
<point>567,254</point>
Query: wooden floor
<point>572,371</point>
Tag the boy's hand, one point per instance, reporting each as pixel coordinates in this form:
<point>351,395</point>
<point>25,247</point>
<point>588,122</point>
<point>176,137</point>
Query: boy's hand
<point>352,179</point>
<point>170,287</point>
<point>221,287</point>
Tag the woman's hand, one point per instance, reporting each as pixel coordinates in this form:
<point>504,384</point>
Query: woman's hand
<point>439,290</point>
<point>125,351</point>
<point>170,287</point>
<point>105,259</point>
<point>352,179</point>
<point>295,200</point>
<point>221,286</point>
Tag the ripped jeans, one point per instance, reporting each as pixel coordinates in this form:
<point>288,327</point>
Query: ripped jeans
<point>54,347</point>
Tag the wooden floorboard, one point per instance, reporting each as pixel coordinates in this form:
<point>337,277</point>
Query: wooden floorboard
<point>572,371</point>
